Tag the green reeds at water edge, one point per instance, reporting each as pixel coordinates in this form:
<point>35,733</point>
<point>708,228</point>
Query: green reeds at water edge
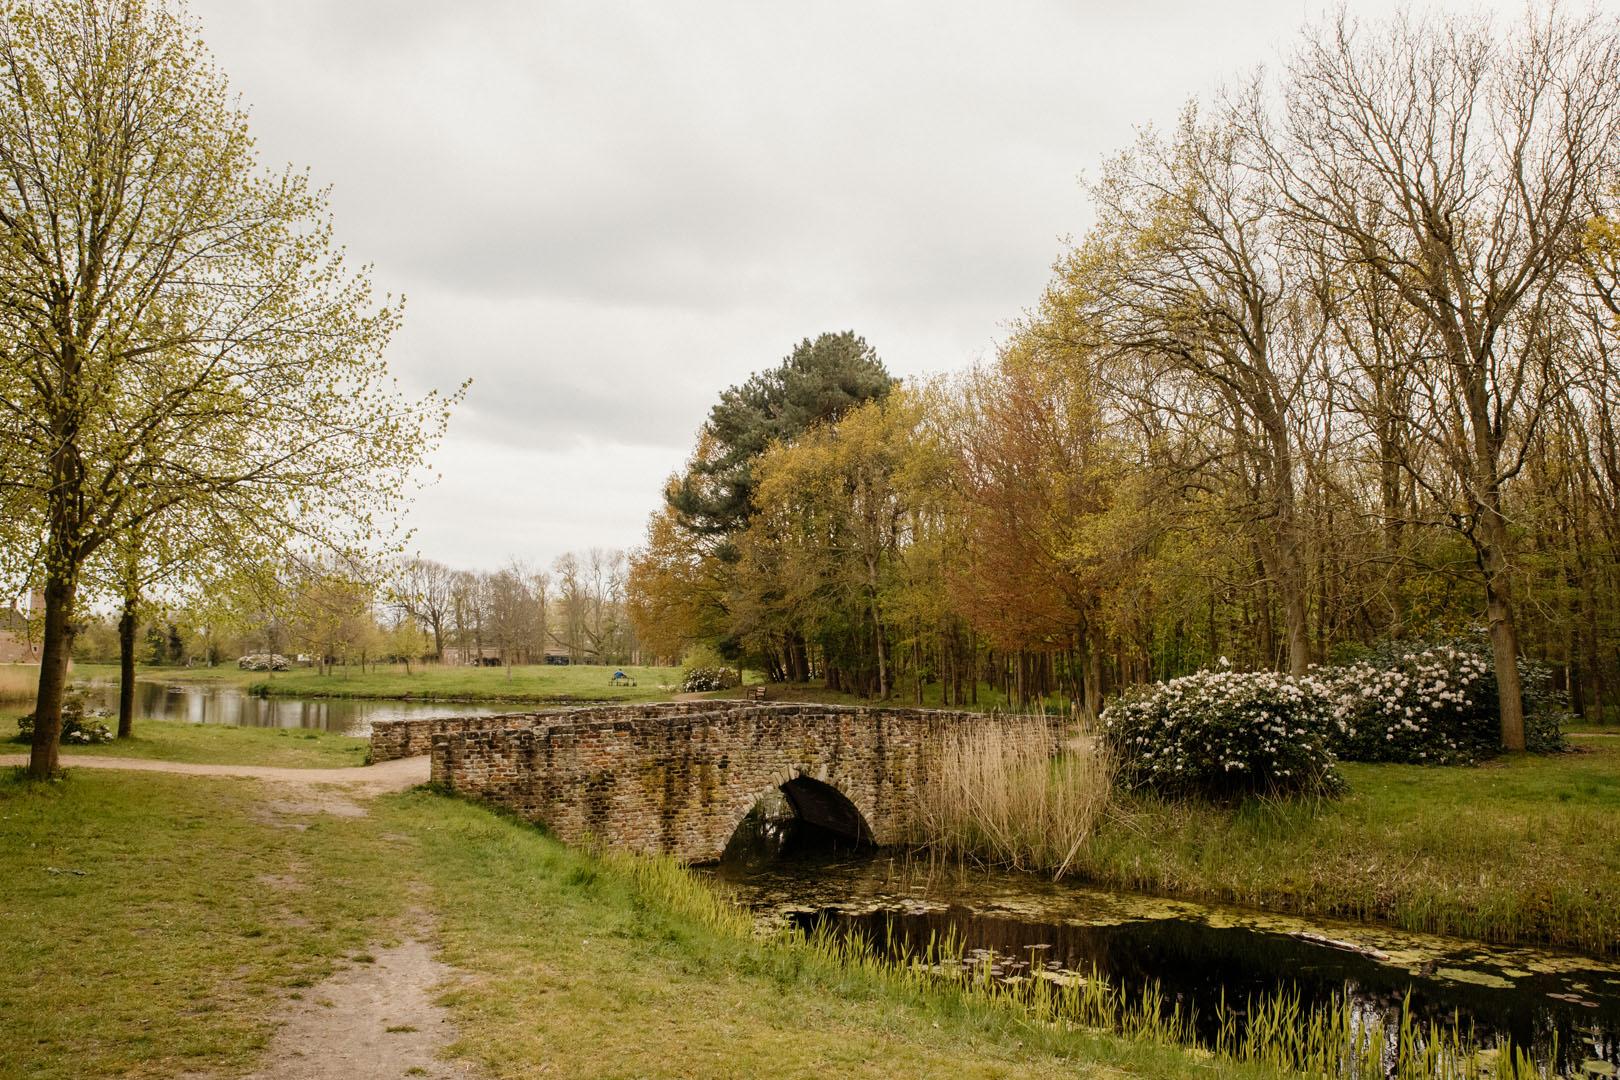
<point>1340,1039</point>
<point>1277,1034</point>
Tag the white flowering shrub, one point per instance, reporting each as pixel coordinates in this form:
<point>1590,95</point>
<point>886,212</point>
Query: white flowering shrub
<point>80,726</point>
<point>699,679</point>
<point>1434,705</point>
<point>1224,734</point>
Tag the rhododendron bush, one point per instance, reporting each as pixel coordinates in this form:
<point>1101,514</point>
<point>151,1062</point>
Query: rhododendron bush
<point>1221,734</point>
<point>1434,705</point>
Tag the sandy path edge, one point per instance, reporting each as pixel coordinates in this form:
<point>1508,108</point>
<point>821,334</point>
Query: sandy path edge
<point>396,775</point>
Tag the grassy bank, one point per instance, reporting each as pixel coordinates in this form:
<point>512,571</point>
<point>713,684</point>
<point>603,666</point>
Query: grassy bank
<point>153,926</point>
<point>1517,850</point>
<point>152,923</point>
<point>219,744</point>
<point>533,683</point>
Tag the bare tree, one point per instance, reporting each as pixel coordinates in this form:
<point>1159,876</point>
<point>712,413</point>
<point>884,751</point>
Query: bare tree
<point>1456,165</point>
<point>424,590</point>
<point>1185,287</point>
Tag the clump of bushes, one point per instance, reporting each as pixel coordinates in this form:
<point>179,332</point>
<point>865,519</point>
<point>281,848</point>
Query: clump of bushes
<point>1224,734</point>
<point>1435,704</point>
<point>80,725</point>
<point>264,662</point>
<point>696,680</point>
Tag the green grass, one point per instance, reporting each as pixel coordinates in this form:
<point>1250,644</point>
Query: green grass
<point>1517,850</point>
<point>533,683</point>
<point>592,966</point>
<point>221,744</point>
<point>155,924</point>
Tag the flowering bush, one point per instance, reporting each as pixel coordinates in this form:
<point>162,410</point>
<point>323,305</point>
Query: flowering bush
<point>77,726</point>
<point>698,679</point>
<point>1434,705</point>
<point>1221,734</point>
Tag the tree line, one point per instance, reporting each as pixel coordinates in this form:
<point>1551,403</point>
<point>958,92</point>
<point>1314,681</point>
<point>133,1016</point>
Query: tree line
<point>401,611</point>
<point>1336,362</point>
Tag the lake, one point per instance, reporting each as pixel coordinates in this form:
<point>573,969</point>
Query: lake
<point>230,705</point>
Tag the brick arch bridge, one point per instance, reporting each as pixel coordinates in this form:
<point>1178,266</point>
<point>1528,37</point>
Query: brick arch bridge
<point>679,778</point>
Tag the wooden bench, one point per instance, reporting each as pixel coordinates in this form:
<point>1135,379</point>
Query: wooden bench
<point>757,694</point>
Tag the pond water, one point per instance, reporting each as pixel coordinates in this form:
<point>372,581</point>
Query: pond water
<point>230,705</point>
<point>1563,1008</point>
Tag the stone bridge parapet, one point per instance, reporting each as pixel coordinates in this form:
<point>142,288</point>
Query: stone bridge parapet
<point>392,739</point>
<point>677,778</point>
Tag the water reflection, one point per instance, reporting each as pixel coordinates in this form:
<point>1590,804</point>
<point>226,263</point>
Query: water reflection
<point>1197,955</point>
<point>229,705</point>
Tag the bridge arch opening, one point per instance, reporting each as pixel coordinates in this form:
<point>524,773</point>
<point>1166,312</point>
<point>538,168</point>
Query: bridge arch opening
<point>801,817</point>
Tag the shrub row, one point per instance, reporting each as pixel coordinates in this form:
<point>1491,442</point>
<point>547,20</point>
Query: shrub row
<point>1221,734</point>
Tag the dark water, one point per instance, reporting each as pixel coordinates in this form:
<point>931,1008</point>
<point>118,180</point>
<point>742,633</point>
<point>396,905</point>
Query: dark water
<point>229,705</point>
<point>1197,955</point>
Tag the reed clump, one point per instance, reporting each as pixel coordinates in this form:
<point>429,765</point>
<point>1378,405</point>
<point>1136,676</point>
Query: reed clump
<point>18,683</point>
<point>999,796</point>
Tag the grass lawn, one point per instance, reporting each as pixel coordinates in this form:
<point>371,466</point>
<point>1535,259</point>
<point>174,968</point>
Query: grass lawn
<point>1522,849</point>
<point>151,923</point>
<point>220,744</point>
<point>533,683</point>
<point>153,926</point>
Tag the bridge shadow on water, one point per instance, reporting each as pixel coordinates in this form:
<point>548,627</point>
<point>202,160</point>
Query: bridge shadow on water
<point>804,819</point>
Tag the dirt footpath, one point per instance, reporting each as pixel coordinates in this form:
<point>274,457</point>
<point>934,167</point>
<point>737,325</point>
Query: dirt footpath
<point>375,1018</point>
<point>396,775</point>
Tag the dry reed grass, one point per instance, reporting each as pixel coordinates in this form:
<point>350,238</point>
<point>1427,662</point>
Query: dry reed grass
<point>1001,797</point>
<point>18,683</point>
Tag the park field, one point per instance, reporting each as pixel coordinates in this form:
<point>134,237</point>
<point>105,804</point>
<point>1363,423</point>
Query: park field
<point>1516,850</point>
<point>531,683</point>
<point>209,918</point>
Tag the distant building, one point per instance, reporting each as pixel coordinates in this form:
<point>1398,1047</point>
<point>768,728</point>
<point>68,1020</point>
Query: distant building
<point>461,655</point>
<point>19,639</point>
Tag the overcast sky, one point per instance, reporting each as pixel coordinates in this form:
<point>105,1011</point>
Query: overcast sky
<point>605,213</point>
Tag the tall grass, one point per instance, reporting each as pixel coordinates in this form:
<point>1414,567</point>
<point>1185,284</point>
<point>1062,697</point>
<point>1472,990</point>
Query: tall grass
<point>998,796</point>
<point>1275,1032</point>
<point>18,683</point>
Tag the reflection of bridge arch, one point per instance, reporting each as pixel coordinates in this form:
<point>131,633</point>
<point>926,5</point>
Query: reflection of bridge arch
<point>653,779</point>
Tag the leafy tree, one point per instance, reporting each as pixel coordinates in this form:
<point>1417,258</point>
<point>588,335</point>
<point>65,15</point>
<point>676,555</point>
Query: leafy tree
<point>817,382</point>
<point>177,324</point>
<point>1459,170</point>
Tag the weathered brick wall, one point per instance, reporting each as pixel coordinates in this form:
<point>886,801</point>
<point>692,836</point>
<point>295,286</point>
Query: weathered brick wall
<point>678,780</point>
<point>392,739</point>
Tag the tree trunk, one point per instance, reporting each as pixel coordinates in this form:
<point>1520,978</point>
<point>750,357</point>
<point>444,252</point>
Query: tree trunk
<point>55,652</point>
<point>1504,634</point>
<point>126,666</point>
